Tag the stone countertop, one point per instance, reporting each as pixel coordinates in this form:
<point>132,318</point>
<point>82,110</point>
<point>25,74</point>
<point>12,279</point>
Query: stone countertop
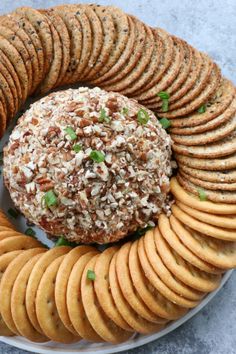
<point>210,26</point>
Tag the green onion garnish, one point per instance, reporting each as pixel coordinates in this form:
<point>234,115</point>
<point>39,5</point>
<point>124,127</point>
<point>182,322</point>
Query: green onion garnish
<point>97,156</point>
<point>91,275</point>
<point>103,116</point>
<point>143,116</point>
<point>77,147</point>
<point>202,194</point>
<point>63,242</point>
<point>70,131</point>
<point>13,213</point>
<point>166,123</point>
<point>50,198</point>
<point>164,96</point>
<point>124,111</point>
<point>202,109</point>
<point>30,232</point>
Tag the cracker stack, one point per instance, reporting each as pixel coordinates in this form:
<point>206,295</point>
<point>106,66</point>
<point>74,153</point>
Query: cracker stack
<point>65,294</point>
<point>101,45</point>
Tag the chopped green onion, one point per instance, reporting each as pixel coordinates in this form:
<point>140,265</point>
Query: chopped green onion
<point>70,131</point>
<point>91,275</point>
<point>97,156</point>
<point>103,116</point>
<point>166,123</point>
<point>13,213</point>
<point>124,111</point>
<point>50,198</point>
<point>165,105</point>
<point>202,109</point>
<point>143,116</point>
<point>77,147</point>
<point>202,195</point>
<point>63,242</point>
<point>140,232</point>
<point>30,232</point>
<point>163,95</point>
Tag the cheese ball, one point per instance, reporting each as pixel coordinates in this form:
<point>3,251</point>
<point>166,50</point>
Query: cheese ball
<point>88,165</point>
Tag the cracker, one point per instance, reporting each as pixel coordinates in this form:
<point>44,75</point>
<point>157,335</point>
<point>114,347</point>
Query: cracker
<point>18,309</point>
<point>138,323</point>
<point>75,33</point>
<point>25,25</point>
<point>133,75</point>
<point>121,25</point>
<point>4,221</point>
<point>9,22</point>
<point>220,196</point>
<point>97,38</point>
<point>214,208</point>
<point>10,51</point>
<point>35,278</point>
<point>159,267</point>
<point>15,40</point>
<point>227,222</point>
<point>192,78</point>
<point>166,59</point>
<point>5,260</point>
<point>170,74</point>
<point>52,76</point>
<point>215,186</point>
<point>214,108</point>
<point>124,58</point>
<point>184,271</point>
<point>9,78</point>
<point>102,324</point>
<point>150,295</point>
<point>62,279</point>
<point>75,306</point>
<point>8,233</point>
<point>80,13</point>
<point>198,86</point>
<point>165,226</point>
<point>46,310</point>
<point>62,31</point>
<point>127,286</point>
<point>221,148</point>
<point>7,284</point>
<point>134,55</point>
<point>151,68</point>
<point>42,28</point>
<point>210,176</point>
<point>213,164</point>
<point>102,288</point>
<point>109,35</point>
<point>156,281</point>
<point>3,120</point>
<point>195,102</point>
<point>210,230</point>
<point>7,98</point>
<point>18,243</point>
<point>214,130</point>
<point>221,254</point>
<point>182,76</point>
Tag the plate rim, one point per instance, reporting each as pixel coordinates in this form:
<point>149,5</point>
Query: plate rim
<point>142,340</point>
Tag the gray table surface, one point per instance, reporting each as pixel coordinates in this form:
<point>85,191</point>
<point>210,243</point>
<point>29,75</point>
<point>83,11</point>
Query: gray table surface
<point>209,25</point>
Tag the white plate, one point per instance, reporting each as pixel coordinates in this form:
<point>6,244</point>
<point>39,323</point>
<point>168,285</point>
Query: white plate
<point>85,347</point>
